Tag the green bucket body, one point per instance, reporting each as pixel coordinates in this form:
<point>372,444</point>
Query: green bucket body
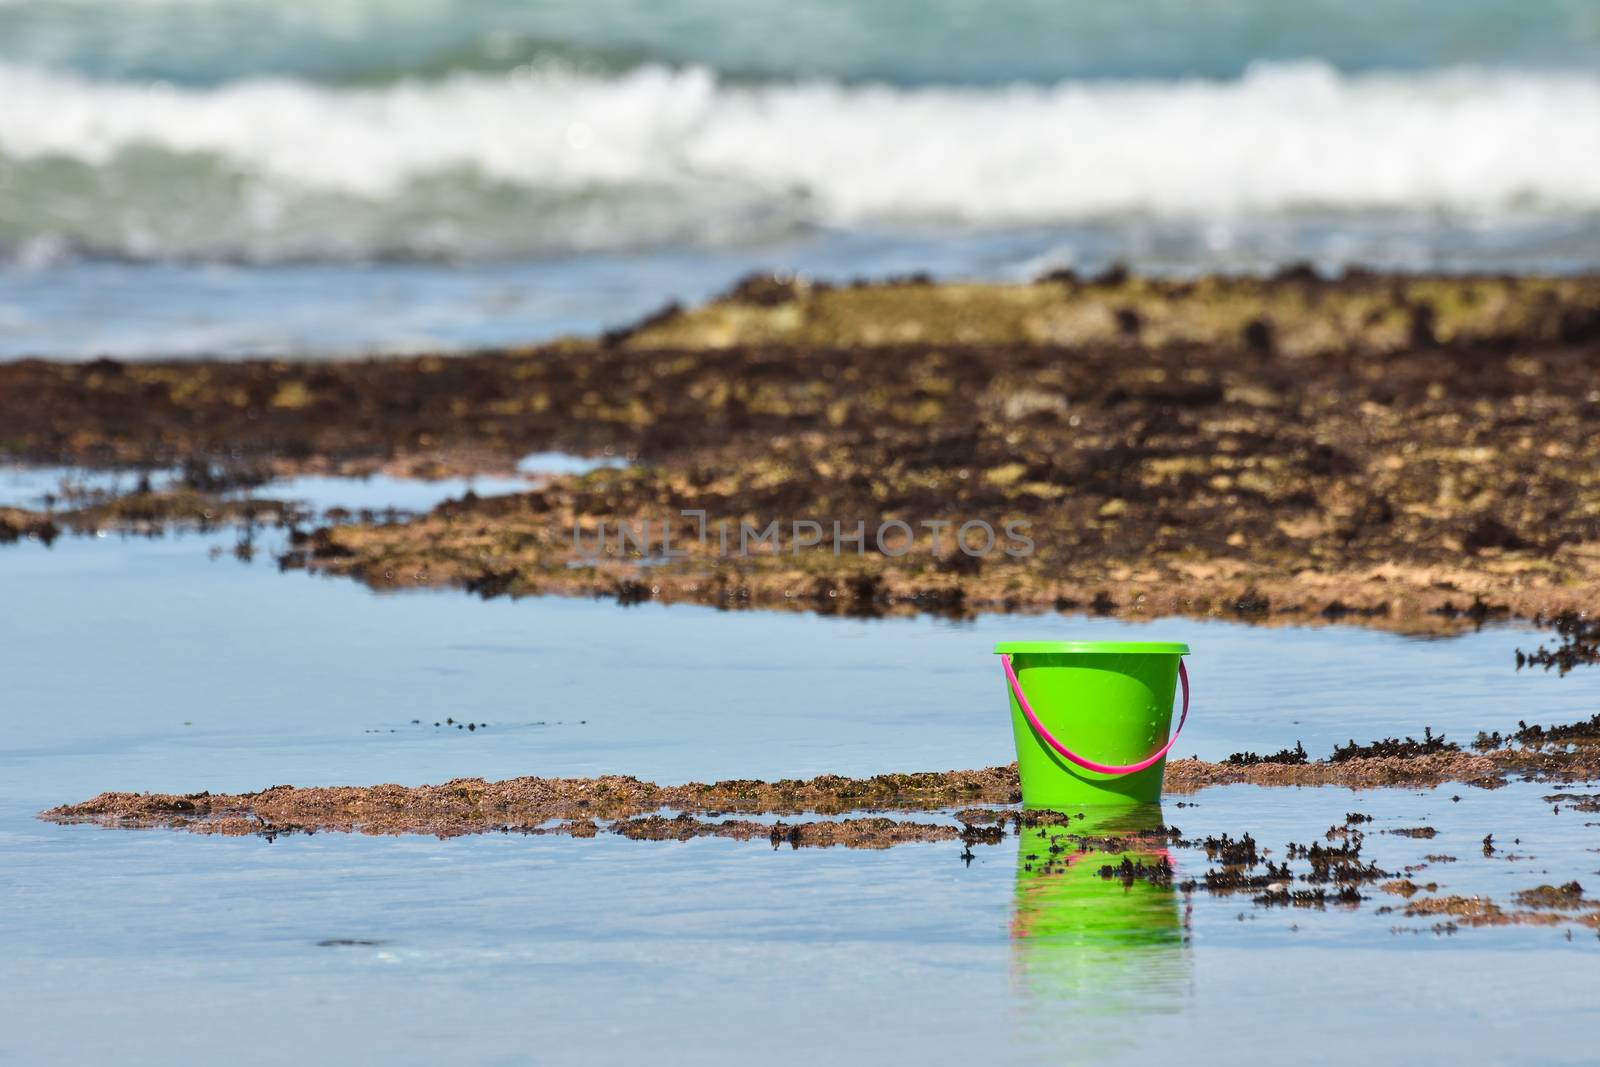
<point>1109,701</point>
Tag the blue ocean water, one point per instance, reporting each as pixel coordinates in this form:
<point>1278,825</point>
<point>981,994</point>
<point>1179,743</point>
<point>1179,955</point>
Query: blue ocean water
<point>202,176</point>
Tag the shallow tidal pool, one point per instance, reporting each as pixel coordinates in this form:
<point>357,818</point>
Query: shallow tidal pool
<point>135,664</point>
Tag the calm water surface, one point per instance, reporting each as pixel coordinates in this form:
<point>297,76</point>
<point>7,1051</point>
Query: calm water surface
<point>146,665</point>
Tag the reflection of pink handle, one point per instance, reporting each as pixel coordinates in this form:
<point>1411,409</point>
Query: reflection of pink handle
<point>1089,764</point>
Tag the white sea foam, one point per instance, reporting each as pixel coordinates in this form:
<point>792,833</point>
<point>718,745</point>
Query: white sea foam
<point>1283,138</point>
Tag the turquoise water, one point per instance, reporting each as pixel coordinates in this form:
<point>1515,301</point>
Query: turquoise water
<point>193,176</point>
<point>150,665</point>
<point>896,41</point>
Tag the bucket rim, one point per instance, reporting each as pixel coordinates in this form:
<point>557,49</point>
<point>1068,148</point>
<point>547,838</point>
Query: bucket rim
<point>1157,648</point>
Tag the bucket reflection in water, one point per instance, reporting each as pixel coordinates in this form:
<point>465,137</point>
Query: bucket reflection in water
<point>1108,943</point>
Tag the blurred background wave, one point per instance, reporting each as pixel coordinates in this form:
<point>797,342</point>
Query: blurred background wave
<point>311,176</point>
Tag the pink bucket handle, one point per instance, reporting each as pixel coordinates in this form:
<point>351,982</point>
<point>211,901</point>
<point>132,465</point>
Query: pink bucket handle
<point>1089,764</point>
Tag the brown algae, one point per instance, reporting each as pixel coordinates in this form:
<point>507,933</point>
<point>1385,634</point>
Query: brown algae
<point>1407,452</point>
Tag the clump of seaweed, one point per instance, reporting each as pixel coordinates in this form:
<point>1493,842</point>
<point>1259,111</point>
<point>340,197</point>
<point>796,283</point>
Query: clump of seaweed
<point>1239,879</point>
<point>1282,895</point>
<point>1580,644</point>
<point>1238,859</point>
<point>1338,865</point>
<point>1488,742</point>
<point>1586,731</point>
<point>1046,817</point>
<point>1566,896</point>
<point>1129,871</point>
<point>1232,853</point>
<point>1392,746</point>
<point>982,835</point>
<point>1294,757</point>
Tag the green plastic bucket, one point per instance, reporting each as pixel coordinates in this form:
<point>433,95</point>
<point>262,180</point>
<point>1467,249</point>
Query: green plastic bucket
<point>1093,719</point>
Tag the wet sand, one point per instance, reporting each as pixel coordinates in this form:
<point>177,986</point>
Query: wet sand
<point>1406,452</point>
